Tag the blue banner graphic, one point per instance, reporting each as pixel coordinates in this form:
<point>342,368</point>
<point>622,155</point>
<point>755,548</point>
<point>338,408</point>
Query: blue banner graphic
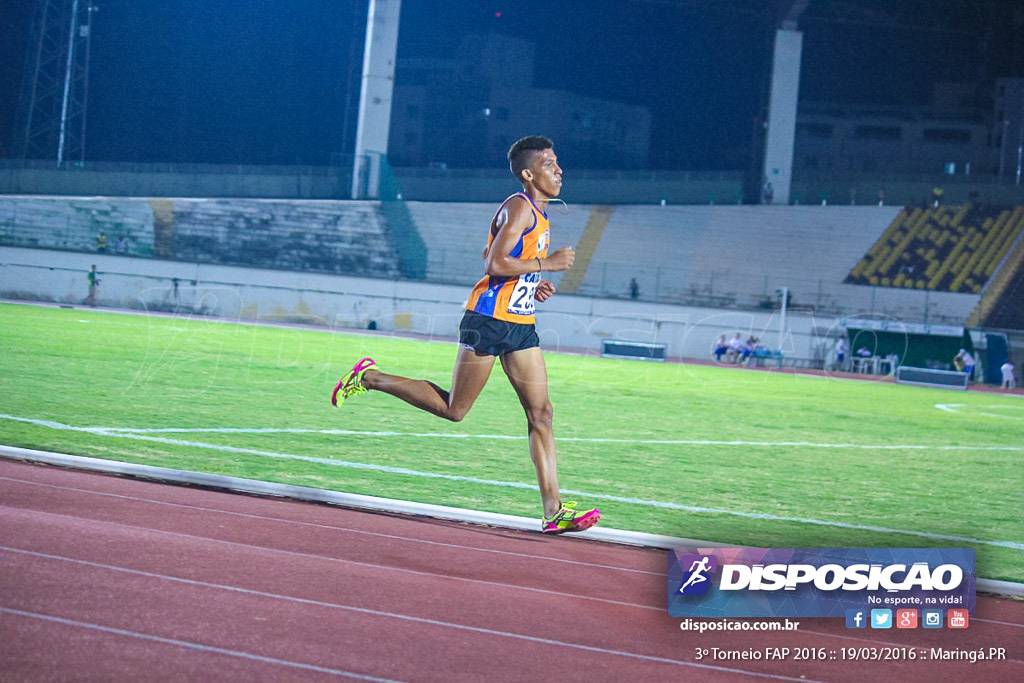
<point>819,582</point>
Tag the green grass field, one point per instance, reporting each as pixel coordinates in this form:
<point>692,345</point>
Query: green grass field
<point>721,454</point>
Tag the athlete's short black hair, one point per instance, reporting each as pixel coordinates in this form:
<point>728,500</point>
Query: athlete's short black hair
<point>520,154</point>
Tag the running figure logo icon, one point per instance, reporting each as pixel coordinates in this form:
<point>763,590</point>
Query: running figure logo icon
<point>695,581</point>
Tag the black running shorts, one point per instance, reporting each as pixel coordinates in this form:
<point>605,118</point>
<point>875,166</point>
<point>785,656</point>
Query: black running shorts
<point>494,337</point>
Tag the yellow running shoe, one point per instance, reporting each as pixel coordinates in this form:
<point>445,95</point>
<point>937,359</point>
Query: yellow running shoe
<point>352,383</point>
<point>569,519</point>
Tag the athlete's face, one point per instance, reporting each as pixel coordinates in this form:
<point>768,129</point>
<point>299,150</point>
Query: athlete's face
<point>545,173</point>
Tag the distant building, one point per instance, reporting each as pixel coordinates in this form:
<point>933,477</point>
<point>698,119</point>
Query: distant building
<point>467,110</point>
<point>1008,125</point>
<point>858,140</point>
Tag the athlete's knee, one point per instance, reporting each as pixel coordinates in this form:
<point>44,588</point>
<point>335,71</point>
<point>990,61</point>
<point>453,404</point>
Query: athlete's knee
<point>542,415</point>
<point>456,413</point>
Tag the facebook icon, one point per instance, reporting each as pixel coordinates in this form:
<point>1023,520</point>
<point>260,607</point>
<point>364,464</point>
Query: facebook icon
<point>856,618</point>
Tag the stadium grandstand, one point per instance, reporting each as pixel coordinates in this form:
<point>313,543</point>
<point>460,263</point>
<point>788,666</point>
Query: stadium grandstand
<point>952,249</point>
<point>943,265</point>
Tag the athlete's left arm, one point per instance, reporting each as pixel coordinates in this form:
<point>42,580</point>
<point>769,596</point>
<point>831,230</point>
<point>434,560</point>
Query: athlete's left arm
<point>545,288</point>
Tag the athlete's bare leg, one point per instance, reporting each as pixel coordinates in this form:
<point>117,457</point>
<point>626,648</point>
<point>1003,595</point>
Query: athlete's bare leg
<point>529,376</point>
<point>468,379</point>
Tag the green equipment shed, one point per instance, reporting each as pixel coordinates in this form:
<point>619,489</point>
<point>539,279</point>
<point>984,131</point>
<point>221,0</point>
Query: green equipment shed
<point>916,345</point>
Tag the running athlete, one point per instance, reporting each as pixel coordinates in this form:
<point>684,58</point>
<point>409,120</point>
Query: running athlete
<point>499,323</point>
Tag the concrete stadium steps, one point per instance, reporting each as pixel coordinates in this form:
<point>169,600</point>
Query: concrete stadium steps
<point>326,236</point>
<point>331,236</point>
<point>732,254</point>
<point>592,233</point>
<point>456,235</point>
<point>75,223</point>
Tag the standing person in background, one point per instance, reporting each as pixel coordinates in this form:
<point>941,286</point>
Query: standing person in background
<point>94,283</point>
<point>964,362</point>
<point>499,323</point>
<point>1009,380</point>
<point>842,348</point>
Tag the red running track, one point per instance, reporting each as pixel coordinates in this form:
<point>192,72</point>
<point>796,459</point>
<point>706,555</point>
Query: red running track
<point>111,579</point>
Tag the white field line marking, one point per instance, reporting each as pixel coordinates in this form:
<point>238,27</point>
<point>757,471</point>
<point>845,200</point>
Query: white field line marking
<point>980,410</point>
<point>114,431</point>
<point>102,431</point>
<point>379,613</point>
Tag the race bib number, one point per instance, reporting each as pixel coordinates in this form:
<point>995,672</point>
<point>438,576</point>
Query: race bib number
<point>521,302</point>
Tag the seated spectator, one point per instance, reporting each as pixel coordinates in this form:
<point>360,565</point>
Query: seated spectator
<point>735,346</point>
<point>721,346</point>
<point>748,349</point>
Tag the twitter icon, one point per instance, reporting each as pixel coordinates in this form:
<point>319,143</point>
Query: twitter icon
<point>881,618</point>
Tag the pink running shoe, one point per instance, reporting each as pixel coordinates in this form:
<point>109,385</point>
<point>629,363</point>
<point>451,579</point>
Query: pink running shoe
<point>569,519</point>
<point>352,383</point>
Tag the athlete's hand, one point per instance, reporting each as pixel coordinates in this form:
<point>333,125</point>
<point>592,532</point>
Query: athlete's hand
<point>544,290</point>
<point>561,259</point>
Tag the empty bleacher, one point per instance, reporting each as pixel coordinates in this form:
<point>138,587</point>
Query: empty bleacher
<point>322,236</point>
<point>732,255</point>
<point>75,223</point>
<point>318,236</point>
<point>950,249</point>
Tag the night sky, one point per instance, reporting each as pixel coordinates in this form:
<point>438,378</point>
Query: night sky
<point>276,81</point>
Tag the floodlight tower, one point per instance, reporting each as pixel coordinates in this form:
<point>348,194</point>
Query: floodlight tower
<point>782,106</point>
<point>55,83</point>
<point>375,96</point>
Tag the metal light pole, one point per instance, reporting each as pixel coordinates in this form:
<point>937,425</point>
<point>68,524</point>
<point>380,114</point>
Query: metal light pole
<point>1020,144</point>
<point>1002,150</point>
<point>66,97</point>
<point>784,293</point>
<point>75,91</point>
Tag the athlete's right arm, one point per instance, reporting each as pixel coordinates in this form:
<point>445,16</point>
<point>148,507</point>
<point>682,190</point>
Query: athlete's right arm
<point>514,218</point>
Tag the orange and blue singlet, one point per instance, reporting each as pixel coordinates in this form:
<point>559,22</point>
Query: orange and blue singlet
<point>512,298</point>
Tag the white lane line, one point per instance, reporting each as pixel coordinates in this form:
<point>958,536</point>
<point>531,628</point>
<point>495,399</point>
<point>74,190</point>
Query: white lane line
<point>520,485</point>
<point>131,431</point>
<point>329,527</point>
<point>505,437</point>
<point>35,514</point>
<point>404,617</point>
<point>192,646</point>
